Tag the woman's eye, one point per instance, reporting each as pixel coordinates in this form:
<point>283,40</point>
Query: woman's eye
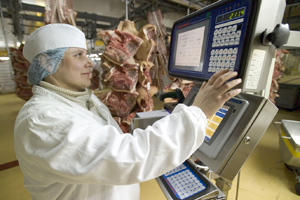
<point>78,55</point>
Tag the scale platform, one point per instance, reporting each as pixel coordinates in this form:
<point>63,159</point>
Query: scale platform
<point>185,182</point>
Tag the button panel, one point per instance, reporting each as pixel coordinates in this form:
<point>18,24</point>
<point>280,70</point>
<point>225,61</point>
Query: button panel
<point>225,48</point>
<point>184,182</point>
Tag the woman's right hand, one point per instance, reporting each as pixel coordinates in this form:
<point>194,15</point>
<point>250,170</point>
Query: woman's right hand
<point>214,93</point>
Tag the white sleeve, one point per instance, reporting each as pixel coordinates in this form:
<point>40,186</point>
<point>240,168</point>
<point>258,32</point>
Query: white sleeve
<point>73,149</point>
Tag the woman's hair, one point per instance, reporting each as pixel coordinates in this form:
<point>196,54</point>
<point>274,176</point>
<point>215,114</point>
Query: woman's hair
<point>44,64</point>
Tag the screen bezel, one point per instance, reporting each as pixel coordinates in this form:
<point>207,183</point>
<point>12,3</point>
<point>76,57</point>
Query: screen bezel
<point>246,45</point>
<point>205,23</point>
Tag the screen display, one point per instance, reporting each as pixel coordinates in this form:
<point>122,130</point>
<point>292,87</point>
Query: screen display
<point>190,46</point>
<point>234,14</point>
<point>214,122</point>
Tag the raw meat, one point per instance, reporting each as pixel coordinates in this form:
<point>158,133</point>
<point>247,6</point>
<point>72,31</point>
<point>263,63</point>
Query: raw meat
<point>120,104</point>
<point>277,74</point>
<point>59,11</point>
<point>20,67</point>
<point>126,71</point>
<point>144,73</point>
<point>120,45</point>
<point>146,50</point>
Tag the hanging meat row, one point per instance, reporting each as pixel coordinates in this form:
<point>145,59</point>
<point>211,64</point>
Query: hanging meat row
<point>126,65</point>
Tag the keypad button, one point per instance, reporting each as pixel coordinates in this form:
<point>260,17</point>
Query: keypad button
<point>227,64</point>
<point>231,42</point>
<point>216,32</point>
<point>229,29</point>
<point>233,58</point>
<point>228,58</point>
<point>238,34</point>
<point>220,51</point>
<point>227,42</point>
<point>235,50</point>
<point>217,52</point>
<point>232,64</point>
<point>228,35</point>
<point>222,43</point>
<point>234,28</point>
<point>237,41</point>
<point>230,51</point>
<point>225,51</point>
<point>232,35</point>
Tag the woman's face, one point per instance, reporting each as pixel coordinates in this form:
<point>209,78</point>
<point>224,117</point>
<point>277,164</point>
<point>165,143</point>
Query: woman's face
<point>74,71</point>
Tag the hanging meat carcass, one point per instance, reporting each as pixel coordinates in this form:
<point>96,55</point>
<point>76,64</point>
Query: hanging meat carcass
<point>277,74</point>
<point>126,65</point>
<point>60,11</point>
<point>20,67</point>
<point>160,58</point>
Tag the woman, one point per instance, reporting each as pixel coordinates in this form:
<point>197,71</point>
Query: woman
<point>69,146</point>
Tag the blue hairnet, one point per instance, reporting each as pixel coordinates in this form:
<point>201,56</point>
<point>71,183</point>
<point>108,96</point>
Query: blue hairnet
<point>44,64</point>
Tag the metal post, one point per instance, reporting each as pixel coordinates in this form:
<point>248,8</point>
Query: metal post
<point>126,6</point>
<point>6,44</point>
<point>188,10</point>
<point>238,186</point>
<point>224,185</point>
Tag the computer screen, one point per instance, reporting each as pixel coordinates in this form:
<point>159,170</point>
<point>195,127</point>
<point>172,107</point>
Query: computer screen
<point>211,39</point>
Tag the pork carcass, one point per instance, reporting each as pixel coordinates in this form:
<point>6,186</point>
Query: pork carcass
<point>277,74</point>
<point>145,52</point>
<point>126,71</point>
<point>144,73</point>
<point>128,26</point>
<point>120,104</point>
<point>60,11</point>
<point>144,100</point>
<point>160,58</point>
<point>122,81</point>
<point>20,67</point>
<point>120,45</point>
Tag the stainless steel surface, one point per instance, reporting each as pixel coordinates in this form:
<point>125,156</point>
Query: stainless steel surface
<point>292,129</point>
<point>235,152</point>
<point>289,146</point>
<point>143,119</point>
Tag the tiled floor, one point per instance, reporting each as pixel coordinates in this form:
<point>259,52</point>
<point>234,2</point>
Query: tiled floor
<point>263,177</point>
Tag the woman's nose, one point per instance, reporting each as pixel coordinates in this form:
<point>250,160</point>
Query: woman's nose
<point>90,63</point>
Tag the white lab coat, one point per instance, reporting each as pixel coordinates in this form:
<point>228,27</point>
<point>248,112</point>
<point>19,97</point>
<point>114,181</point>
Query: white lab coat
<point>68,152</point>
